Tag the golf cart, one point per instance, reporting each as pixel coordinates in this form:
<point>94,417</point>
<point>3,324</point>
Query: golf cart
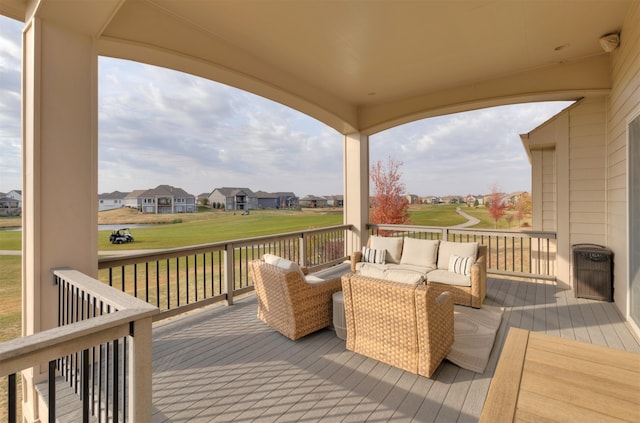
<point>120,236</point>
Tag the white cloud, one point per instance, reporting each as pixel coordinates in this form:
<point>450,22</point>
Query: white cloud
<point>157,126</point>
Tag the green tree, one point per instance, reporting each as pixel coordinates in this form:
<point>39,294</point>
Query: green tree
<point>388,204</point>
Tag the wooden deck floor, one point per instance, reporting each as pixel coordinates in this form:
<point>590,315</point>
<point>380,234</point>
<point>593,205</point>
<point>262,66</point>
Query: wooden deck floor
<point>222,364</point>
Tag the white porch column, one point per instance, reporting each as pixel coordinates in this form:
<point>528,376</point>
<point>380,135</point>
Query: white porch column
<point>356,188</point>
<point>60,162</point>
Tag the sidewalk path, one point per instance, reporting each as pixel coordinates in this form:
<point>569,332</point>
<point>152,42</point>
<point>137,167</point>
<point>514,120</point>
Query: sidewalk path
<point>471,221</point>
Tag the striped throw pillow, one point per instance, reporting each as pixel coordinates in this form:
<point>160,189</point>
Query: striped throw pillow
<point>371,255</point>
<point>460,265</point>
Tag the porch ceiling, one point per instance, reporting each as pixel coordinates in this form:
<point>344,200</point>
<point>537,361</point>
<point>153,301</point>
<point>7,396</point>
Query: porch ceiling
<point>360,65</point>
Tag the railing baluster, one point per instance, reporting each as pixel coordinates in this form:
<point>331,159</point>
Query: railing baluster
<point>52,391</point>
<point>12,398</point>
<point>85,385</point>
<point>115,380</point>
<point>177,282</point>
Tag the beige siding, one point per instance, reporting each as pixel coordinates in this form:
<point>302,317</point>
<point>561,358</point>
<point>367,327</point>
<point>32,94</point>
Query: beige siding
<point>624,101</point>
<point>549,190</point>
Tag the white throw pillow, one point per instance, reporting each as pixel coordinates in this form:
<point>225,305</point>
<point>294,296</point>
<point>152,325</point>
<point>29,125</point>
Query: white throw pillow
<point>393,245</point>
<point>282,263</point>
<point>460,265</point>
<point>371,255</point>
<point>462,249</point>
<point>420,252</point>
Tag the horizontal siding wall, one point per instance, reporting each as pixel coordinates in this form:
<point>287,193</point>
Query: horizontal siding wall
<point>587,172</point>
<point>549,210</point>
<point>624,100</point>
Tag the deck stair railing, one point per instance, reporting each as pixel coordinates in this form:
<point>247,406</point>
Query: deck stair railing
<point>180,279</point>
<point>101,348</point>
<point>529,254</point>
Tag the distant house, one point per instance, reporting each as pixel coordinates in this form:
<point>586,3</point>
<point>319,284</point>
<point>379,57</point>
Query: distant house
<point>287,199</point>
<point>203,199</point>
<point>335,200</point>
<point>411,198</point>
<point>9,206</point>
<point>311,201</point>
<point>165,199</point>
<point>472,200</point>
<point>267,200</point>
<point>111,200</point>
<point>514,197</point>
<point>132,199</point>
<point>234,198</point>
<point>15,194</point>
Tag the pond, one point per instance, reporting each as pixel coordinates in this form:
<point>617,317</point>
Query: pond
<point>100,227</point>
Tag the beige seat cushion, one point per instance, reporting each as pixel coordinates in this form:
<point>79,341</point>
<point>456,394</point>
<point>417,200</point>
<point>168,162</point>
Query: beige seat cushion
<point>392,274</point>
<point>449,278</point>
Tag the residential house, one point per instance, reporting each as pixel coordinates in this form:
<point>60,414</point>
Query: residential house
<point>335,200</point>
<point>15,194</point>
<point>313,202</point>
<point>234,198</point>
<point>503,52</point>
<point>133,199</point>
<point>9,206</point>
<point>203,199</point>
<point>111,200</point>
<point>165,199</point>
<point>411,198</point>
<point>267,200</point>
<point>287,200</point>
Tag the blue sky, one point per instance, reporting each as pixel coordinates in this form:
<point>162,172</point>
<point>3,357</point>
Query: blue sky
<point>157,126</point>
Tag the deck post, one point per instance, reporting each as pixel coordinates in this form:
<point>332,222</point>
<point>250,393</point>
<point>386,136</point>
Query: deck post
<point>140,401</point>
<point>229,273</point>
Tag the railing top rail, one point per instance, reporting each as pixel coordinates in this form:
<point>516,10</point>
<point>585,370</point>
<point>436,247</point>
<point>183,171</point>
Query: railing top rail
<point>106,262</point>
<point>20,353</point>
<point>118,299</point>
<point>507,233</point>
<point>453,230</point>
<point>407,228</point>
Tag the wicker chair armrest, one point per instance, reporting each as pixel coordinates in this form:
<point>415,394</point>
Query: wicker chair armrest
<point>479,278</point>
<point>435,327</point>
<point>356,257</point>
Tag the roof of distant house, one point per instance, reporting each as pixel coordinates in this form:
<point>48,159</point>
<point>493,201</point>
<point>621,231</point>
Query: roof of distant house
<point>115,195</point>
<point>166,191</point>
<point>230,192</point>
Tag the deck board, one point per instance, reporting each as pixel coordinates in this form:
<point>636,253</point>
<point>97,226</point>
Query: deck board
<point>223,364</point>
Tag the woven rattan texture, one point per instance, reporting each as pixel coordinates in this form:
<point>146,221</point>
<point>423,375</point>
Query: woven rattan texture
<point>403,325</point>
<point>289,304</point>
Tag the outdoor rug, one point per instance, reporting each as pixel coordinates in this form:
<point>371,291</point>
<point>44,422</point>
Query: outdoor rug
<point>474,333</point>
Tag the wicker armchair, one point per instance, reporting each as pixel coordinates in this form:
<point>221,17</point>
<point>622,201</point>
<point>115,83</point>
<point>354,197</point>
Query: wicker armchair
<point>404,325</point>
<point>288,303</point>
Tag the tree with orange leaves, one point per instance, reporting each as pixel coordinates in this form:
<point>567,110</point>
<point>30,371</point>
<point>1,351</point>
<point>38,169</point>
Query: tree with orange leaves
<point>497,205</point>
<point>388,204</point>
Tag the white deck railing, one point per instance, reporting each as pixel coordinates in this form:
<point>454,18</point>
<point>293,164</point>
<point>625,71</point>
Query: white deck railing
<point>96,324</point>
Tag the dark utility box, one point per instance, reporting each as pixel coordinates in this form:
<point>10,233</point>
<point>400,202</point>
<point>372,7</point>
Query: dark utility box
<point>593,272</point>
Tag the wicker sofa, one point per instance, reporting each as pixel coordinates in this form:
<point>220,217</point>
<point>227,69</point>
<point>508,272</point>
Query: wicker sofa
<point>409,326</point>
<point>416,260</point>
<point>291,302</point>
